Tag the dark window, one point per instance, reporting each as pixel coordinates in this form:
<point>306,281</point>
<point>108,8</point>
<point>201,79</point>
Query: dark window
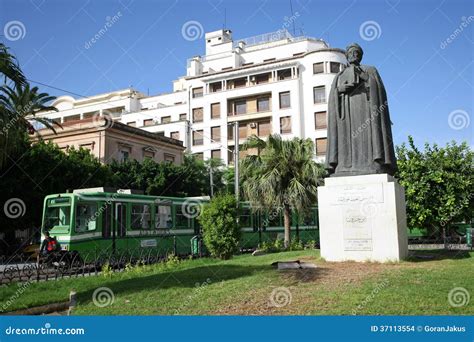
<point>285,100</point>
<point>182,116</point>
<point>318,68</point>
<point>263,104</point>
<point>215,110</point>
<point>197,92</point>
<point>197,137</point>
<point>197,114</point>
<point>319,94</point>
<point>216,154</point>
<point>335,67</point>
<point>216,133</point>
<point>166,119</point>
<point>285,124</point>
<point>240,107</point>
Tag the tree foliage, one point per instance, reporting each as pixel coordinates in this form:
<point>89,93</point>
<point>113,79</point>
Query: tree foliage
<point>221,232</point>
<point>439,184</point>
<point>282,175</point>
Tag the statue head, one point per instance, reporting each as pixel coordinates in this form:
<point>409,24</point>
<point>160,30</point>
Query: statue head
<point>354,53</point>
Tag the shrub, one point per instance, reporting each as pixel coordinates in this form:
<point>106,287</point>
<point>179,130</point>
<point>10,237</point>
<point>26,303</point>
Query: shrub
<point>221,233</point>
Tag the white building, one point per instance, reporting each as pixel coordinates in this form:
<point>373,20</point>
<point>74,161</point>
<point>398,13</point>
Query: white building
<point>273,83</point>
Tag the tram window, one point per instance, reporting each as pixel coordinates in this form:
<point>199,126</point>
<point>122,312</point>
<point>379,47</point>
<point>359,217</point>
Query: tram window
<point>181,219</point>
<point>57,216</point>
<point>163,217</point>
<point>244,219</point>
<point>141,216</point>
<point>86,217</point>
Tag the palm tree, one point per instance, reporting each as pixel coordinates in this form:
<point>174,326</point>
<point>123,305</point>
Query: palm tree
<point>19,106</point>
<point>9,69</point>
<point>282,175</point>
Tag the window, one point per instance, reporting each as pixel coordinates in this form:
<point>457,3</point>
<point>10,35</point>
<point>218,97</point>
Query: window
<point>197,114</point>
<point>263,104</point>
<point>215,110</point>
<point>197,137</point>
<point>334,67</point>
<point>174,135</point>
<point>132,123</point>
<point>182,116</point>
<point>240,82</point>
<point>163,218</point>
<point>162,134</point>
<point>148,122</point>
<point>199,156</point>
<point>216,154</point>
<point>285,100</point>
<point>321,146</point>
<point>169,157</point>
<point>141,216</point>
<point>247,64</point>
<point>86,217</point>
<point>230,132</point>
<point>58,213</point>
<point>215,87</point>
<point>269,60</point>
<point>124,153</point>
<point>148,154</point>
<point>166,119</point>
<point>230,154</point>
<point>284,74</point>
<point>90,114</point>
<point>264,128</point>
<point>318,68</point>
<point>320,120</point>
<point>285,124</point>
<point>197,92</point>
<point>181,219</point>
<point>242,131</point>
<point>72,118</point>
<point>298,54</point>
<point>319,94</point>
<point>262,78</point>
<point>216,133</point>
<point>240,107</point>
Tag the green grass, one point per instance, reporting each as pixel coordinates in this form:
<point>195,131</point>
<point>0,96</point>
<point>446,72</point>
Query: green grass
<point>244,285</point>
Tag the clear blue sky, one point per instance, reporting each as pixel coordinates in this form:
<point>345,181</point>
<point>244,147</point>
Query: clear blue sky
<point>427,78</point>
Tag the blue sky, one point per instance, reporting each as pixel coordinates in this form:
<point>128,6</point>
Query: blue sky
<point>429,80</point>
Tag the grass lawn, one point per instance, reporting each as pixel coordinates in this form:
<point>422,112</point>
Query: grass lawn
<point>249,285</point>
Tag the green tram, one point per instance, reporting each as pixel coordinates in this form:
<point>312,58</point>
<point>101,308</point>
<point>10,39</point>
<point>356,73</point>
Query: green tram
<point>95,221</point>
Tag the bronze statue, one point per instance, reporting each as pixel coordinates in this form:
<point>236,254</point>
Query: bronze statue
<point>359,126</point>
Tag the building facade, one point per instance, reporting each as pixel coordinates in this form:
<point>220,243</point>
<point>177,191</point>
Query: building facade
<point>273,83</point>
<point>108,140</point>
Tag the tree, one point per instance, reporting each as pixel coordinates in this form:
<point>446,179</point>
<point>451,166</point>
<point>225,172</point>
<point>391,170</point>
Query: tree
<point>282,175</point>
<point>439,185</point>
<point>221,233</point>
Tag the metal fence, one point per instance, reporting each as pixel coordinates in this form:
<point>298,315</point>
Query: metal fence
<point>21,268</point>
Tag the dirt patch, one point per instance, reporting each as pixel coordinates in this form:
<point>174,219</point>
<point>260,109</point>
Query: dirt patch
<point>295,286</point>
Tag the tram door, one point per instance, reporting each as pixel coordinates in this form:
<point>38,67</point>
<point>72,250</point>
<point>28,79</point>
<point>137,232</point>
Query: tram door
<point>119,227</point>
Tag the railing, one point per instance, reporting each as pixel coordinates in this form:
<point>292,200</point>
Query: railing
<point>70,265</point>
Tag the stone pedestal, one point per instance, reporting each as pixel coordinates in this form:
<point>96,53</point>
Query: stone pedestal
<point>362,218</point>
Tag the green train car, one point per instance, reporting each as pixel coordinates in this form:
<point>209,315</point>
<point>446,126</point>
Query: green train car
<point>95,222</point>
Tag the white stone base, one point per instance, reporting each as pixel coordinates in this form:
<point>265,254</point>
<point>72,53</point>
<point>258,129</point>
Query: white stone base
<point>362,218</point>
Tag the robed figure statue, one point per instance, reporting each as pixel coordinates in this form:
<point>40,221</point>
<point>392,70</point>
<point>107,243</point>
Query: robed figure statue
<point>359,126</point>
